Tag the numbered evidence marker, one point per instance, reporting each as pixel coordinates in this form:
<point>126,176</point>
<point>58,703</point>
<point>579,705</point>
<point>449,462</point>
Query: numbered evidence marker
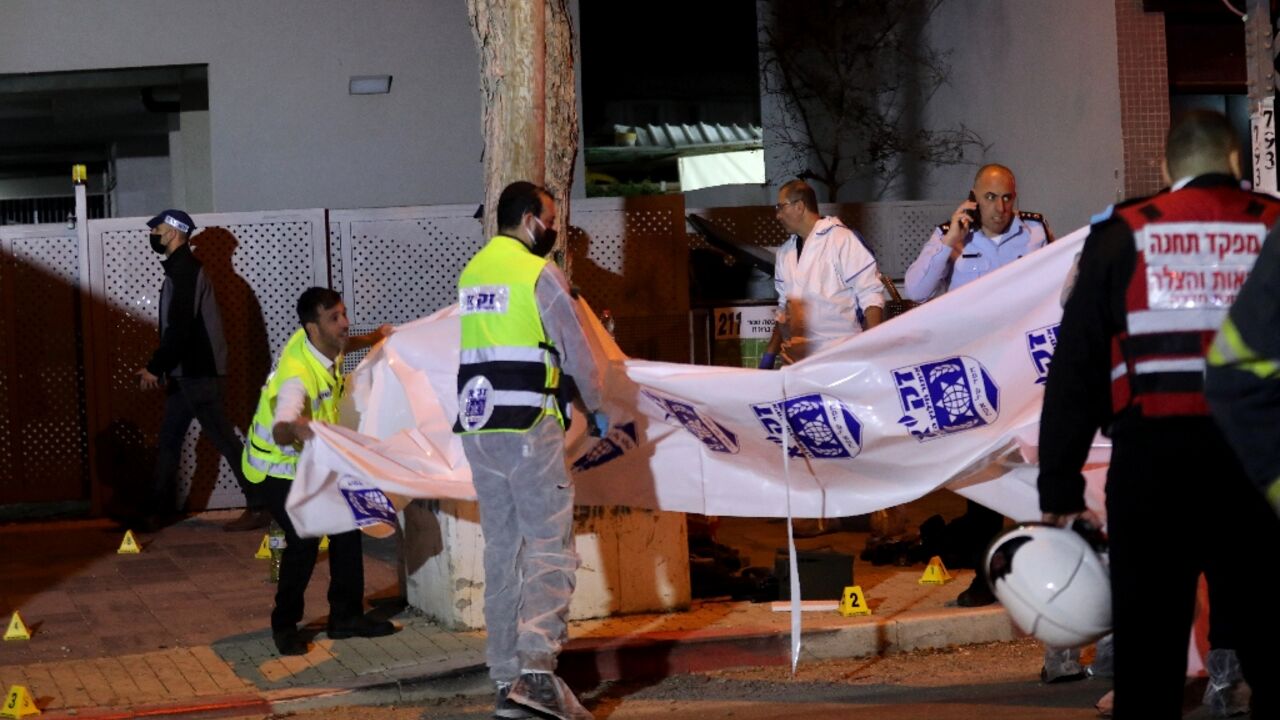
<point>935,573</point>
<point>129,545</point>
<point>854,602</point>
<point>17,629</point>
<point>264,550</point>
<point>19,703</point>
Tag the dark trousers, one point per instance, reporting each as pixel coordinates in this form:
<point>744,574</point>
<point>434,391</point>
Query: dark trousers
<point>984,526</point>
<point>346,566</point>
<point>1179,504</point>
<point>194,399</point>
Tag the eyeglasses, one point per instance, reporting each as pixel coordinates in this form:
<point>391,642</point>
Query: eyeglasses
<point>777,207</point>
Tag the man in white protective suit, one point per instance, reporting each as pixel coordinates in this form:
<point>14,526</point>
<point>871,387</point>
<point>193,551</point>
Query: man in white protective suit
<point>828,285</point>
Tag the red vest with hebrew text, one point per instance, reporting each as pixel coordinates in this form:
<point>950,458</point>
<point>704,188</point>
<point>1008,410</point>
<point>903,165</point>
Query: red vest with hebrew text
<point>1195,247</point>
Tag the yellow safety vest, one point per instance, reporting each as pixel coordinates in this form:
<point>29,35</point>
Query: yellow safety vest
<point>508,372</point>
<point>262,457</point>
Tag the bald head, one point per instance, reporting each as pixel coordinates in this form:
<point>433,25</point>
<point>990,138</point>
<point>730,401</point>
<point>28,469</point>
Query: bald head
<point>1201,142</point>
<point>992,170</point>
<point>996,193</point>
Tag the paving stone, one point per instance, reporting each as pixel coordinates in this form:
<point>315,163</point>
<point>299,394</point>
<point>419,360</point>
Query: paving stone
<point>169,676</point>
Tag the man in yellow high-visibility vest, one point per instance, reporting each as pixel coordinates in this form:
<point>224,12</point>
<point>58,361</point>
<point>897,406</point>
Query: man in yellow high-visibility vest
<point>307,385</point>
<point>522,332</point>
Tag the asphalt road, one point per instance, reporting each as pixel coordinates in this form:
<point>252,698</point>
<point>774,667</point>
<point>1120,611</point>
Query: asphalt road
<point>998,681</point>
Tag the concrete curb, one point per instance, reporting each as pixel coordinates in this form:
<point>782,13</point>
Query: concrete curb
<point>391,689</point>
<point>586,662</point>
<point>228,706</point>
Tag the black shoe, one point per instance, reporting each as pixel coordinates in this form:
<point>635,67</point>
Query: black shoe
<point>249,520</point>
<point>359,626</point>
<point>978,595</point>
<point>289,642</point>
<point>504,708</point>
<point>1069,677</point>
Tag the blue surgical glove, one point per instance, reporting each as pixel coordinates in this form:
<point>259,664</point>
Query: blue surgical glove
<point>597,423</point>
<point>767,360</point>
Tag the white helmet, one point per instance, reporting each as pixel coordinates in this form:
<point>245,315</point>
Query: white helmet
<point>1053,584</point>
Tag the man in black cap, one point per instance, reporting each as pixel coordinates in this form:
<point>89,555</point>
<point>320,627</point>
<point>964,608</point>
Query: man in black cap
<point>193,358</point>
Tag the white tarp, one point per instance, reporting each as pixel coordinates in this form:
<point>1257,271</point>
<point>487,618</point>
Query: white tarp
<point>741,167</point>
<point>947,393</point>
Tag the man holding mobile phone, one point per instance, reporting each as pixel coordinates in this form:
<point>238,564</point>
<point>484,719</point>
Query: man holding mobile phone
<point>985,232</point>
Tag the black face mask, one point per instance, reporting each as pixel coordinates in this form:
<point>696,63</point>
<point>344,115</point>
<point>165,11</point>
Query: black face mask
<point>543,243</point>
<point>157,243</point>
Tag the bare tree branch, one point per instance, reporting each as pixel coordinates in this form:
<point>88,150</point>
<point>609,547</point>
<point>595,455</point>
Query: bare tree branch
<point>851,78</point>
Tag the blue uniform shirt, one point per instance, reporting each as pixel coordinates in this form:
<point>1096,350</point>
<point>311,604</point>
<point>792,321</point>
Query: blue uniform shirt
<point>933,272</point>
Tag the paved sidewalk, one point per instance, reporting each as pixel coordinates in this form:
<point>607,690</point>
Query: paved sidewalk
<point>182,628</point>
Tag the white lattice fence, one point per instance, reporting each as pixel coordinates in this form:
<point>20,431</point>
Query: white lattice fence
<point>399,264</point>
<point>43,449</point>
<point>630,256</point>
<point>394,265</point>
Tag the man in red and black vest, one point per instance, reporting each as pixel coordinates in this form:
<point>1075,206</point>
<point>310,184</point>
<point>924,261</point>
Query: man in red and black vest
<point>1156,278</point>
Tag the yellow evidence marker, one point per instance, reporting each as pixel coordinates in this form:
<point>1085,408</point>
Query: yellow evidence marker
<point>129,545</point>
<point>19,703</point>
<point>17,629</point>
<point>935,573</point>
<point>264,550</point>
<point>854,602</point>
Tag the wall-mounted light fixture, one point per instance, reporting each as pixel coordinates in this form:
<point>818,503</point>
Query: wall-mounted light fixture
<point>370,84</point>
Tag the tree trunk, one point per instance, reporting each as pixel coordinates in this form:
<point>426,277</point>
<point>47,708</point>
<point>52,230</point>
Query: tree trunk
<point>530,98</point>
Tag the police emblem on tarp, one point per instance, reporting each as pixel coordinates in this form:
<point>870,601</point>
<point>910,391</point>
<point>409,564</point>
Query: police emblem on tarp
<point>1041,343</point>
<point>819,426</point>
<point>715,436</point>
<point>946,396</point>
<point>367,503</point>
<point>620,439</point>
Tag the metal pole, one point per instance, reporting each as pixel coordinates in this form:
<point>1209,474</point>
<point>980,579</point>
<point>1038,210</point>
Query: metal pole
<point>79,178</point>
<point>1258,50</point>
<point>1260,62</point>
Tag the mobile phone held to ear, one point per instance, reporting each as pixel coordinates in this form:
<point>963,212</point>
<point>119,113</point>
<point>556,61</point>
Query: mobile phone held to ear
<point>975,220</point>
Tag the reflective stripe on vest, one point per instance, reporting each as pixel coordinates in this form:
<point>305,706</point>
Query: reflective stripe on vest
<point>508,372</point>
<point>262,456</point>
<point>1187,272</point>
<point>1229,348</point>
<point>263,435</point>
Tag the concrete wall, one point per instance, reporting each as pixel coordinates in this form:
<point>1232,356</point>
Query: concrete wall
<point>142,186</point>
<point>632,561</point>
<point>282,130</point>
<point>191,156</point>
<point>1037,79</point>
